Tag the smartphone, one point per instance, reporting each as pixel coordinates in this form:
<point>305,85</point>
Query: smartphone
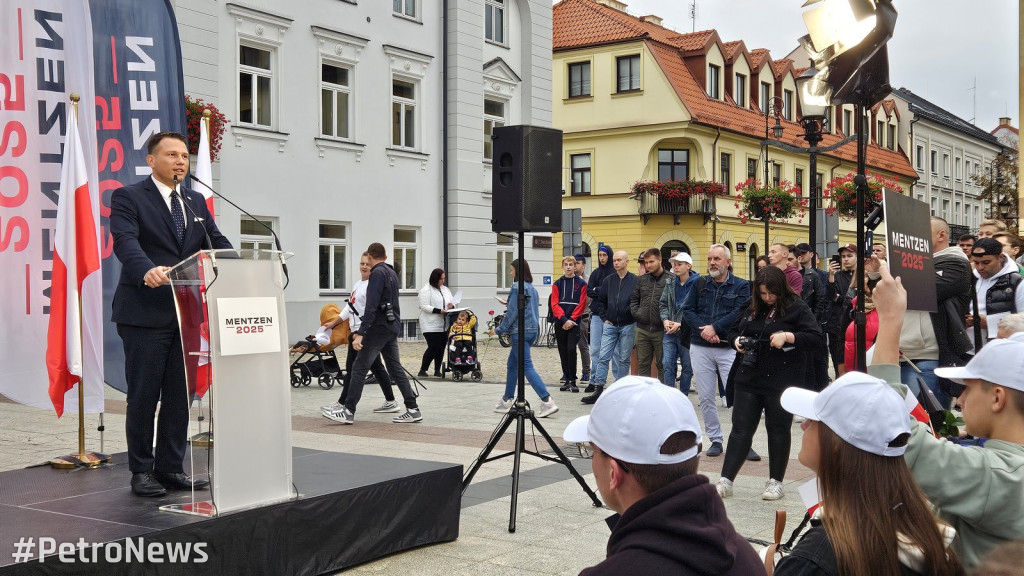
<point>837,259</point>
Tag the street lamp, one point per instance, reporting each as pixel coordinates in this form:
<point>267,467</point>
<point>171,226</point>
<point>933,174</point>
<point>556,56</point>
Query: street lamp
<point>771,105</point>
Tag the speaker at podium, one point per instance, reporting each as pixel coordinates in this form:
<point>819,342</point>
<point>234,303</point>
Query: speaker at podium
<point>526,179</point>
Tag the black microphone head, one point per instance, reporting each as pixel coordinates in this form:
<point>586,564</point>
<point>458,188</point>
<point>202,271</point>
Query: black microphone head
<point>175,180</point>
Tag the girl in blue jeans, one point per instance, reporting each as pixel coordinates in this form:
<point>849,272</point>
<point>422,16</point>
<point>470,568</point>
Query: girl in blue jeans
<point>510,325</point>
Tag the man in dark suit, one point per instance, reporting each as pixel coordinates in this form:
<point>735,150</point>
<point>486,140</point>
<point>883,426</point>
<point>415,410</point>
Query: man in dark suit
<point>156,223</point>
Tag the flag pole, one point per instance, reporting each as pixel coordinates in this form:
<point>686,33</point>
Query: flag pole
<point>83,458</point>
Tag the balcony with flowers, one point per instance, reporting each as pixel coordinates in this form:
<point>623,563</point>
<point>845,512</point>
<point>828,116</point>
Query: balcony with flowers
<point>769,203</point>
<point>840,196</point>
<point>677,198</point>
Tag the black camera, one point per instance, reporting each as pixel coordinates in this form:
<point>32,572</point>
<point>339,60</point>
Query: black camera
<point>749,346</point>
<point>389,311</point>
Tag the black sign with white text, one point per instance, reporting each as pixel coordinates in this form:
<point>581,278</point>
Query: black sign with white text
<point>909,239</point>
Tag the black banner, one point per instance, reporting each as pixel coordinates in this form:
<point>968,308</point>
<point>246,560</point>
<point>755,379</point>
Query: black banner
<point>909,239</point>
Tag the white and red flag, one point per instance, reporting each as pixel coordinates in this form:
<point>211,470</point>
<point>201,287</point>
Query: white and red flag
<point>204,166</point>
<point>76,284</point>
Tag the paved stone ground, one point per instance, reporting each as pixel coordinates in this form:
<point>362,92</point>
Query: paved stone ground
<point>559,531</point>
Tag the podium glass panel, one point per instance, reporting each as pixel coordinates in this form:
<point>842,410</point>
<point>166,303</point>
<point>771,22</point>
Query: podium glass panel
<point>231,313</point>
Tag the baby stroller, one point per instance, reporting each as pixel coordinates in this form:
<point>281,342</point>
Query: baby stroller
<point>318,360</point>
<point>461,350</point>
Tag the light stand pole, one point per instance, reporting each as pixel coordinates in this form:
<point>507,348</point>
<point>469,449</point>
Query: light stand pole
<point>861,181</point>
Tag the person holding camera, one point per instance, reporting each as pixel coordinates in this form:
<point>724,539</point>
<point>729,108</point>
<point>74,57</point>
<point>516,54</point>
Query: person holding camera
<point>772,338</point>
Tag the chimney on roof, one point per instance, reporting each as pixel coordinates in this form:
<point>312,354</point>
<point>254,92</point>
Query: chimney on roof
<point>1005,121</point>
<point>620,6</point>
<point>651,19</point>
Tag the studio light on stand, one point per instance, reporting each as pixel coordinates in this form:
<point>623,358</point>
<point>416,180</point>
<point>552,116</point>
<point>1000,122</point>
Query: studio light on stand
<point>846,43</point>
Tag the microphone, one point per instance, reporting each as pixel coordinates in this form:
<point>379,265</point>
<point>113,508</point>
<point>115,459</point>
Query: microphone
<point>277,241</point>
<point>202,225</point>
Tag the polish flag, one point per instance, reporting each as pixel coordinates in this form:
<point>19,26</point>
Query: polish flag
<point>918,412</point>
<point>204,167</point>
<point>76,257</point>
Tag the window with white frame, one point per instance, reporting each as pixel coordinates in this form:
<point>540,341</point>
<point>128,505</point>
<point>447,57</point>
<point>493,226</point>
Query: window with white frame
<point>255,86</point>
<point>935,162</point>
<point>579,79</point>
<point>959,174</point>
<point>920,157</point>
<point>333,256</point>
<point>494,117</point>
<point>335,100</point>
<point>505,258</point>
<point>787,104</point>
<point>848,128</point>
<point>404,8</point>
<point>494,21</point>
<point>751,168</point>
<point>945,165</point>
<point>580,173</point>
<point>890,137</point>
<point>935,204</point>
<point>776,173</point>
<point>628,73</point>
<point>880,133</point>
<point>945,209</point>
<point>406,240</point>
<point>829,126</point>
<point>739,90</point>
<point>403,113</point>
<point>254,235</point>
<point>725,172</point>
<point>714,81</point>
<point>799,179</point>
<point>766,95</point>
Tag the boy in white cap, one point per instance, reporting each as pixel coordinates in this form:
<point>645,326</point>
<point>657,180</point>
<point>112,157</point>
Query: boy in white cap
<point>646,443</point>
<point>978,489</point>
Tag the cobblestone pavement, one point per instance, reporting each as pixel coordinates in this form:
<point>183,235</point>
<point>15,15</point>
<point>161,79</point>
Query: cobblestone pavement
<point>559,531</point>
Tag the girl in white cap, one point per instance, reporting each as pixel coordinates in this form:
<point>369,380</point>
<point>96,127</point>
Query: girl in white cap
<point>873,519</point>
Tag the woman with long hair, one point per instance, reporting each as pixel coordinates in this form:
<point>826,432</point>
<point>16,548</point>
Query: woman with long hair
<point>435,301</point>
<point>772,338</point>
<point>873,519</point>
<point>510,325</point>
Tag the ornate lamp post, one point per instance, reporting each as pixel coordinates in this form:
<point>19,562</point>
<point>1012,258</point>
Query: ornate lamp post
<point>771,105</point>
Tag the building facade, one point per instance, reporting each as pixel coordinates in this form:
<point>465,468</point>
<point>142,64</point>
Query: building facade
<point>359,121</point>
<point>638,101</point>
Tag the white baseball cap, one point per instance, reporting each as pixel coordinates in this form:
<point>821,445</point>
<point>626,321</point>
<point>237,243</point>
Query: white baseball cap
<point>682,257</point>
<point>999,362</point>
<point>633,418</point>
<point>861,409</point>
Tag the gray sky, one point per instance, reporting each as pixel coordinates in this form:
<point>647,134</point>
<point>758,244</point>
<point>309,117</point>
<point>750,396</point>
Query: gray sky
<point>938,48</point>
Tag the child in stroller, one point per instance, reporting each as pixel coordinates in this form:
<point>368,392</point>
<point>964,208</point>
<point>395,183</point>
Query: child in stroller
<point>462,356</point>
<point>316,358</point>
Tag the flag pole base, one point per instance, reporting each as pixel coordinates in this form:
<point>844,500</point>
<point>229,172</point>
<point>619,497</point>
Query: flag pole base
<point>202,440</point>
<point>86,460</point>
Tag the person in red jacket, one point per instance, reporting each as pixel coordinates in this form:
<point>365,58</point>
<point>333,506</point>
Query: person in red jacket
<point>568,302</point>
<point>871,328</point>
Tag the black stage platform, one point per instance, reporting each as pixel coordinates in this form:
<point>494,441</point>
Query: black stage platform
<point>351,509</point>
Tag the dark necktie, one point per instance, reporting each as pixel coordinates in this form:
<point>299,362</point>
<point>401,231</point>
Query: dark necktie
<point>178,217</point>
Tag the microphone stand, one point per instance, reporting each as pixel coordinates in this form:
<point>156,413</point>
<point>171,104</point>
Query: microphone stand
<point>277,241</point>
<point>202,224</point>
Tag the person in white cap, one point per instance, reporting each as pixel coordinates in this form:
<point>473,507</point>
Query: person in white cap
<point>675,344</point>
<point>645,438</point>
<point>873,518</point>
<point>978,489</point>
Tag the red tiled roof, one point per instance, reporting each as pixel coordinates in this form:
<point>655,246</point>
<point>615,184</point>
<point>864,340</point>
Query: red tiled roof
<point>579,23</point>
<point>733,48</point>
<point>780,67</point>
<point>1005,127</point>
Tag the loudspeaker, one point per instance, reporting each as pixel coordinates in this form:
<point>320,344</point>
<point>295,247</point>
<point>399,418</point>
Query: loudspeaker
<point>526,179</point>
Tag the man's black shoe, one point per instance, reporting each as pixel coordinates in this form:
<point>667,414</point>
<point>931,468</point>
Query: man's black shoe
<point>753,456</point>
<point>715,450</point>
<point>422,374</point>
<point>180,481</point>
<point>589,389</point>
<point>564,387</point>
<point>572,386</point>
<point>593,397</point>
<point>144,484</point>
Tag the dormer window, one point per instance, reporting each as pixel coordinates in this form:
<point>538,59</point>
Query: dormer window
<point>739,90</point>
<point>787,104</point>
<point>766,95</point>
<point>714,81</point>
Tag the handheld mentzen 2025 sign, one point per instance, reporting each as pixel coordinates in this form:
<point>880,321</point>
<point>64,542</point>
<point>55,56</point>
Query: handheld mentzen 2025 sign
<point>909,236</point>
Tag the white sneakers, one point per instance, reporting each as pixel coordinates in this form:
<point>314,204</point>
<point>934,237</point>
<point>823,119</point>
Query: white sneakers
<point>724,487</point>
<point>504,405</point>
<point>772,490</point>
<point>547,408</point>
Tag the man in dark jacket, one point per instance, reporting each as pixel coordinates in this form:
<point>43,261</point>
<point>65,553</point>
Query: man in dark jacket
<point>837,289</point>
<point>670,519</point>
<point>644,304</point>
<point>617,325</point>
<point>603,270</point>
<point>814,296</point>
<point>377,335</point>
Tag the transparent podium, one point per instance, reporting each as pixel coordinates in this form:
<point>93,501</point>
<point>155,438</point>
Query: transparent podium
<point>231,313</point>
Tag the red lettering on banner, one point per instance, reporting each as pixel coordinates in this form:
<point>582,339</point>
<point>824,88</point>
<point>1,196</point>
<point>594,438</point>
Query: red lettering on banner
<point>111,147</point>
<point>21,181</point>
<point>109,117</point>
<point>106,238</point>
<point>21,38</point>
<point>28,289</point>
<point>113,59</point>
<point>16,223</point>
<point>5,139</point>
<point>14,98</point>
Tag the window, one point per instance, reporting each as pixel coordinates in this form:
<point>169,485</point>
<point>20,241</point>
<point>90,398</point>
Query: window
<point>920,158</point>
<point>739,90</point>
<point>405,258</point>
<point>829,126</point>
<point>673,165</point>
<point>333,253</point>
<point>956,212</point>
<point>945,209</point>
<point>254,235</point>
<point>714,79</point>
<point>494,117</point>
<point>880,134</point>
<point>799,177</point>
<point>404,8</point>
<point>335,99</point>
<point>579,79</point>
<point>945,165</point>
<point>766,95</point>
<point>751,168</point>
<point>848,128</point>
<point>403,114</point>
<point>890,137</point>
<point>255,86</point>
<point>580,166</point>
<point>935,162</point>
<point>505,258</point>
<point>958,170</point>
<point>494,21</point>
<point>819,179</point>
<point>787,104</point>
<point>935,204</point>
<point>628,73</point>
<point>725,174</point>
<point>776,173</point>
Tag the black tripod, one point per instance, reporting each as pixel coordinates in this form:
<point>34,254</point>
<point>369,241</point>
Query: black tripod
<point>520,413</point>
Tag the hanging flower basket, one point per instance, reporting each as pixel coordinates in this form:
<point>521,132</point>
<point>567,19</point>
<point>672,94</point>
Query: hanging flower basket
<point>840,194</point>
<point>772,203</point>
<point>193,116</point>
<point>677,190</point>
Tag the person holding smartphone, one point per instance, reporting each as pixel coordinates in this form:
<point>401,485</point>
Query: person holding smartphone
<point>840,279</point>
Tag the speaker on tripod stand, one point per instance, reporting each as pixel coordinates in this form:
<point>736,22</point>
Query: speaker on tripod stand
<point>526,196</point>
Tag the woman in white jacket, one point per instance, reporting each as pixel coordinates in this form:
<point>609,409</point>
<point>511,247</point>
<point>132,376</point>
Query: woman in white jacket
<point>435,300</point>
